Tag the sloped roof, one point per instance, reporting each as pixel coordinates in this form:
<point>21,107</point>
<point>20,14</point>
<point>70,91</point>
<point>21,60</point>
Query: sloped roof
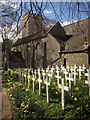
<point>77,43</point>
<point>29,38</point>
<point>80,35</point>
<point>80,26</point>
<point>56,30</point>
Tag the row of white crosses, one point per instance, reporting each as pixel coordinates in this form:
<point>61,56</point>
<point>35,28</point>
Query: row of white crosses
<point>73,72</point>
<point>70,78</point>
<point>81,70</point>
<point>48,75</point>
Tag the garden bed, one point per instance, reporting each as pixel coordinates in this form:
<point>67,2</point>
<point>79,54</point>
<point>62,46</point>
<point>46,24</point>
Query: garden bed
<point>29,105</point>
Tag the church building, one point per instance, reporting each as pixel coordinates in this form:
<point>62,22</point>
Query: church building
<point>43,46</point>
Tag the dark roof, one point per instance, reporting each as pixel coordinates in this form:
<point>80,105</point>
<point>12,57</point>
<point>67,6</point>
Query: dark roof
<point>29,38</point>
<point>56,30</point>
<point>75,37</point>
<point>80,35</point>
<point>80,26</point>
<point>77,42</point>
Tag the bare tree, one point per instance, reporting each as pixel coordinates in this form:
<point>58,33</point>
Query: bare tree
<point>12,12</point>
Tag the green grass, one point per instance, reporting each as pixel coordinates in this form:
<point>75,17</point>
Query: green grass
<point>77,101</point>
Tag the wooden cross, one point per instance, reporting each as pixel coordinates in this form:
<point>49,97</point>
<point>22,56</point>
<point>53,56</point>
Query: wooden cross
<point>40,81</point>
<point>62,68</point>
<point>57,71</point>
<point>57,68</point>
<point>83,67</point>
<point>71,71</point>
<point>10,71</point>
<point>35,72</point>
<point>80,72</point>
<point>58,77</point>
<point>88,79</point>
<point>75,74</point>
<point>47,69</point>
<point>19,74</point>
<point>52,70</point>
<point>68,68</point>
<point>44,74</point>
<point>22,75</point>
<point>50,74</point>
<point>70,79</point>
<point>75,67</point>
<point>66,73</point>
<point>47,92</point>
<point>63,88</point>
<point>33,79</point>
<point>28,80</point>
<point>25,75</point>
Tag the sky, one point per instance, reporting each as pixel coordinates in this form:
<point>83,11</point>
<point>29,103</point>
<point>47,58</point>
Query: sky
<point>64,12</point>
<point>67,12</point>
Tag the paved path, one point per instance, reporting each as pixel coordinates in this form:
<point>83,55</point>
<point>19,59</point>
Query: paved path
<point>6,109</point>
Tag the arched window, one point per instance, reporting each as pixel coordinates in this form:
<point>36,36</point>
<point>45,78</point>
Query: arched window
<point>37,45</point>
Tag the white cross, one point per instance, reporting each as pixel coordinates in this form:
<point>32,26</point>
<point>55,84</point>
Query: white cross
<point>57,71</point>
<point>40,81</point>
<point>88,79</point>
<point>25,75</point>
<point>80,72</point>
<point>71,71</point>
<point>75,67</point>
<point>35,72</point>
<point>57,68</point>
<point>43,73</point>
<point>52,68</point>
<point>70,79</point>
<point>66,73</point>
<point>49,75</point>
<point>28,80</point>
<point>75,74</point>
<point>47,92</point>
<point>68,68</point>
<point>83,67</point>
<point>22,75</point>
<point>62,68</point>
<point>33,79</point>
<point>47,69</point>
<point>10,71</point>
<point>63,88</point>
<point>58,77</point>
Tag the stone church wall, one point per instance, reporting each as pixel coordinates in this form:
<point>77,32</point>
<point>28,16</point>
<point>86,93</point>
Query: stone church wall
<point>78,58</point>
